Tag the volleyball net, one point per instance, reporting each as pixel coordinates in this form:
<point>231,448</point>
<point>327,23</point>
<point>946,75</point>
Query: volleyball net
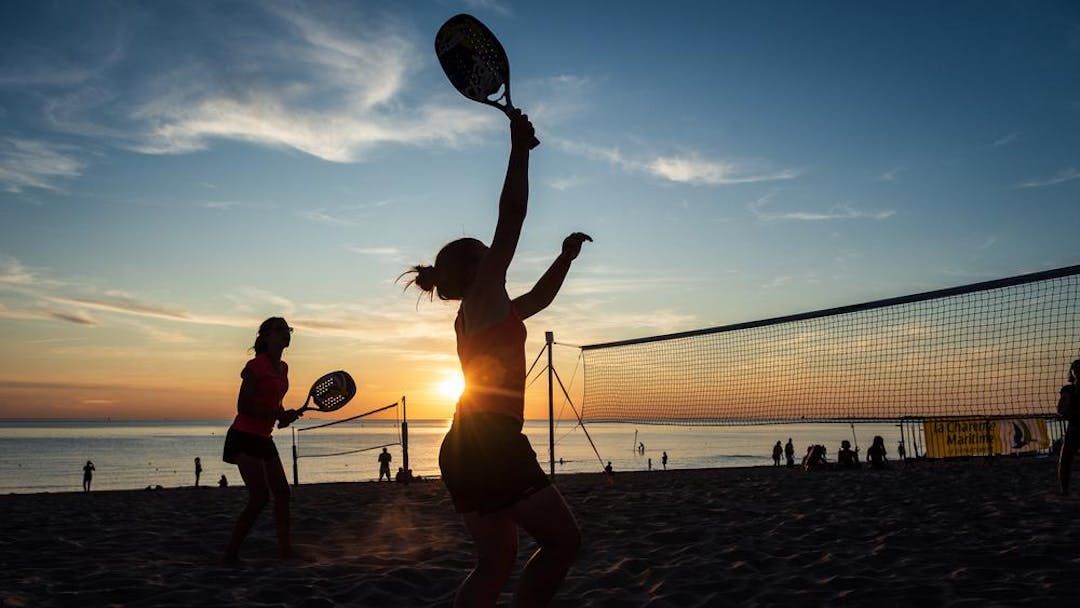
<point>996,349</point>
<point>335,440</point>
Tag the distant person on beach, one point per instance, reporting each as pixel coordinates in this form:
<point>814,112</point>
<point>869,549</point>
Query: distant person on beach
<point>608,469</point>
<point>87,475</point>
<point>650,464</point>
<point>663,460</point>
<point>815,458</point>
<point>198,470</point>
<point>1069,409</point>
<point>901,452</point>
<point>777,452</point>
<point>384,464</point>
<point>847,458</point>
<point>487,463</point>
<point>249,445</point>
<point>223,482</point>
<point>641,448</point>
<point>876,454</point>
<point>789,452</point>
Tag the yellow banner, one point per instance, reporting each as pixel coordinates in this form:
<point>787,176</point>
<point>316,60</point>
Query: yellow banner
<point>980,437</point>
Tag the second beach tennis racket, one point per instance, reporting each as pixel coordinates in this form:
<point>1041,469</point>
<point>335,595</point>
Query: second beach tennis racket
<point>329,393</point>
<point>475,62</point>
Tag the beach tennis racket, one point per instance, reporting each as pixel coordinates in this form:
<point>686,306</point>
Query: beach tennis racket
<point>329,393</point>
<point>475,62</point>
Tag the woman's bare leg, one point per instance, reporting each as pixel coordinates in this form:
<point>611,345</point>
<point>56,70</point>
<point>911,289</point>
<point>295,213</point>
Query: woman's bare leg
<point>496,541</point>
<point>547,518</point>
<point>253,471</point>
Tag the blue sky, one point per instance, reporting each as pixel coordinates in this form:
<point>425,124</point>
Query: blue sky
<point>173,172</point>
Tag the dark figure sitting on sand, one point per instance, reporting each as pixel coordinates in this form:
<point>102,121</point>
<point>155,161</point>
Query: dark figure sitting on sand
<point>847,458</point>
<point>1069,409</point>
<point>223,482</point>
<point>789,452</point>
<point>777,453</point>
<point>87,476</point>
<point>608,469</point>
<point>876,454</point>
<point>815,458</point>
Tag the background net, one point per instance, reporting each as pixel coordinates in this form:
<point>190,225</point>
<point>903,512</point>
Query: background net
<point>994,349</point>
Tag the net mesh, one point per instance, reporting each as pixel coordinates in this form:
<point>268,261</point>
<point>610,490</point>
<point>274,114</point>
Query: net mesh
<point>994,349</point>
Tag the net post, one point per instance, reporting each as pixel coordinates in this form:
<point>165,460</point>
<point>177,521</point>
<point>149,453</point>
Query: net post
<point>404,438</point>
<point>295,461</point>
<point>549,339</point>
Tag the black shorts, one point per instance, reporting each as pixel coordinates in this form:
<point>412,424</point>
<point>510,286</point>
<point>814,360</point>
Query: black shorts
<point>239,442</point>
<point>487,463</point>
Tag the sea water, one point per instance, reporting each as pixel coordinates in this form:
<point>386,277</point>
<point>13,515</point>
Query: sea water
<point>48,455</point>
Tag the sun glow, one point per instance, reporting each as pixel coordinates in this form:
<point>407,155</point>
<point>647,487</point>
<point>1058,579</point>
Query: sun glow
<point>452,385</point>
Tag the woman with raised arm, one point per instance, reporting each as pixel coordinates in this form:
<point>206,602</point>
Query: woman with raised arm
<point>487,463</point>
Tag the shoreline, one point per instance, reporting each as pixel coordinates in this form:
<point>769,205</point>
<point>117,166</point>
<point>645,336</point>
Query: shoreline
<point>938,533</point>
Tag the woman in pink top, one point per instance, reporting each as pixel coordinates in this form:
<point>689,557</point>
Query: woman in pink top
<point>486,461</point>
<point>248,445</point>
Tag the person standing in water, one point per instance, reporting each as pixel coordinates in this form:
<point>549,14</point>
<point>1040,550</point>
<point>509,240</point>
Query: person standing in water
<point>87,475</point>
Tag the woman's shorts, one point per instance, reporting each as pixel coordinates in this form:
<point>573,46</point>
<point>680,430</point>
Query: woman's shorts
<point>487,463</point>
<point>257,446</point>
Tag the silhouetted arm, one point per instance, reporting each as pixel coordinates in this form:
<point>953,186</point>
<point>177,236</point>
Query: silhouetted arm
<point>544,291</point>
<point>487,301</point>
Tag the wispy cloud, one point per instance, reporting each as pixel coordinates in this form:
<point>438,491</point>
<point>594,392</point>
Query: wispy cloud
<point>836,212</point>
<point>1065,175</point>
<point>565,182</point>
<point>346,215</point>
<point>34,164</point>
<point>891,175</point>
<point>332,84</point>
<point>690,168</point>
<point>493,5</point>
<point>13,272</point>
<point>392,254</point>
<point>1005,140</point>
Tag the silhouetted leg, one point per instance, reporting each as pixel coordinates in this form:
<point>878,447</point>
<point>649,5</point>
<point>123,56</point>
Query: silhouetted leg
<point>547,518</point>
<point>1065,458</point>
<point>253,471</point>
<point>496,541</point>
<point>279,487</point>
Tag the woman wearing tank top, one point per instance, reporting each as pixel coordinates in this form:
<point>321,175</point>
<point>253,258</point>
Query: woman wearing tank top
<point>487,463</point>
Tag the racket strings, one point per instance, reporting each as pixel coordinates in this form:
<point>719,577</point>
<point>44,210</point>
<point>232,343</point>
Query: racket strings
<point>473,59</point>
<point>333,391</point>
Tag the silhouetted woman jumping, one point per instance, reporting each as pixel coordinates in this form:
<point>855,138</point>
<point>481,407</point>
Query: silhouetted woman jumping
<point>487,463</point>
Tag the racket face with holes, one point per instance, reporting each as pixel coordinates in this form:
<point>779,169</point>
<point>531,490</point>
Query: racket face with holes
<point>474,61</point>
<point>332,391</point>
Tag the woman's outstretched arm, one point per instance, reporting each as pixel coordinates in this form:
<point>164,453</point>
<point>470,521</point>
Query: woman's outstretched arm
<point>544,291</point>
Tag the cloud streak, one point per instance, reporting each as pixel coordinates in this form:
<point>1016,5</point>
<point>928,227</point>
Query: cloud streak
<point>690,168</point>
<point>329,83</point>
<point>27,163</point>
<point>1065,175</point>
<point>836,212</point>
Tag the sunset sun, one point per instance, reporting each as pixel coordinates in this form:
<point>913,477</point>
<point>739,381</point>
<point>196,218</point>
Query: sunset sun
<point>452,385</point>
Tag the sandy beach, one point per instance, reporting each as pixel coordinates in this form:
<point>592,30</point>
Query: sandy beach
<point>933,534</point>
